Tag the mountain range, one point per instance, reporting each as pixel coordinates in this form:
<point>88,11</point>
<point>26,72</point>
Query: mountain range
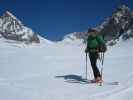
<point>119,24</point>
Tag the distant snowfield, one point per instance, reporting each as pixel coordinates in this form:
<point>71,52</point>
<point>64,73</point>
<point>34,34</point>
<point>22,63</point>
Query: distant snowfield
<point>40,72</point>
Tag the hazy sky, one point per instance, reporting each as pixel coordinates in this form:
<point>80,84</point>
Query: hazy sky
<point>55,18</point>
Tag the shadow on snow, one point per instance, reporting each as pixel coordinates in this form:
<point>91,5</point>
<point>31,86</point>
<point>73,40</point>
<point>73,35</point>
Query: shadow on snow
<point>73,78</point>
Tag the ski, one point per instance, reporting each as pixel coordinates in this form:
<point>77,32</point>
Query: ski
<point>84,81</point>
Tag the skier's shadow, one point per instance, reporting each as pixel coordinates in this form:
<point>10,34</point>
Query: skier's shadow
<point>72,78</point>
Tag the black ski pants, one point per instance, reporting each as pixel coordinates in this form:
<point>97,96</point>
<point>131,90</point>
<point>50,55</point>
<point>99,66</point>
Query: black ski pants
<point>93,60</point>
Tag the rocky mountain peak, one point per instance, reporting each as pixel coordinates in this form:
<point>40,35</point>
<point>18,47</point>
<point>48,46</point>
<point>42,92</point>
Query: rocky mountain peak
<point>9,14</point>
<point>118,24</point>
<point>12,28</point>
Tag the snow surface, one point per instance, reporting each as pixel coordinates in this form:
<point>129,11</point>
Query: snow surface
<point>40,72</point>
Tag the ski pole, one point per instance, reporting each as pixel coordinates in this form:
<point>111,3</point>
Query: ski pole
<point>86,66</point>
<point>102,61</point>
<point>102,58</point>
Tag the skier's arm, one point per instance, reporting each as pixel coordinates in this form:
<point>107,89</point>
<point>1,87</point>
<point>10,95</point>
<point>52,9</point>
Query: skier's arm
<point>100,40</point>
<point>103,46</point>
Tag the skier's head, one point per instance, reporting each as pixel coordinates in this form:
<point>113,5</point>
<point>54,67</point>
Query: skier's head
<point>92,31</point>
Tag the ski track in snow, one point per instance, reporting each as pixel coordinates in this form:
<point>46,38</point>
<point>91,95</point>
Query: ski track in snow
<point>28,72</point>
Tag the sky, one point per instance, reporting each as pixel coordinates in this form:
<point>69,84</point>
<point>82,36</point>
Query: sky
<point>53,19</point>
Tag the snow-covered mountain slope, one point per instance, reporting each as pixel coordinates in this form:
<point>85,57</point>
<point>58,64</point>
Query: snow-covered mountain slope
<point>72,39</point>
<point>19,44</point>
<point>12,29</point>
<point>41,72</point>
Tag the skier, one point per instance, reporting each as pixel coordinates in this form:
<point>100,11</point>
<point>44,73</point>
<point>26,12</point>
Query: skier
<point>95,45</point>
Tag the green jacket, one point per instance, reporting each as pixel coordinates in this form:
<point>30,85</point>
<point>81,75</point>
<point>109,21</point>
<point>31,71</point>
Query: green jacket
<point>94,42</point>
